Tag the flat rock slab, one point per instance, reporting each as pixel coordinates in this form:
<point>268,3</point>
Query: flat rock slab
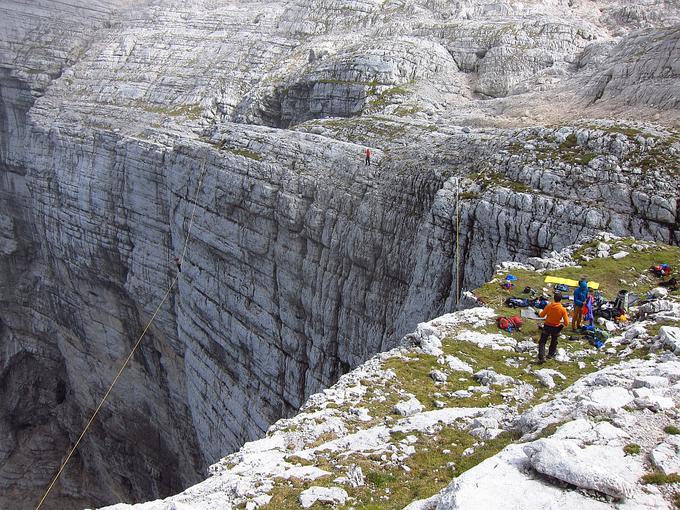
<point>456,364</point>
<point>332,495</point>
<point>494,341</point>
<point>666,456</point>
<point>610,399</point>
<point>503,482</point>
<point>651,381</point>
<point>408,407</point>
<point>596,467</point>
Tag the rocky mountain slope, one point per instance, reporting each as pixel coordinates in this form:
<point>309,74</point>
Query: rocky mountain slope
<point>462,417</point>
<point>117,117</point>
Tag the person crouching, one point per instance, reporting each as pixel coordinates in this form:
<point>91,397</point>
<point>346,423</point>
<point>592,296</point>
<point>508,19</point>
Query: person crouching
<point>556,318</point>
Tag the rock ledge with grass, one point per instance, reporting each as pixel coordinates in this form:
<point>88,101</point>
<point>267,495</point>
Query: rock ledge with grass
<point>461,405</point>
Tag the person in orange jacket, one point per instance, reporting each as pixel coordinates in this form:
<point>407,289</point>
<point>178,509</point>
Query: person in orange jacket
<point>367,152</point>
<point>556,318</point>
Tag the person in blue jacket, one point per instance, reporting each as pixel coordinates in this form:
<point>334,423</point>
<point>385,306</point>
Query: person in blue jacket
<point>580,295</point>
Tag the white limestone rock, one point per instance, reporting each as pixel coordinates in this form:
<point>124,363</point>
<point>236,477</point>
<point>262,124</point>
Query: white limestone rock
<point>456,364</point>
<point>593,467</point>
<point>546,376</point>
<point>408,407</point>
<point>666,455</point>
<point>489,377</point>
<point>438,376</point>
<point>670,337</point>
<point>494,341</point>
<point>651,381</point>
<point>659,292</point>
<point>332,495</point>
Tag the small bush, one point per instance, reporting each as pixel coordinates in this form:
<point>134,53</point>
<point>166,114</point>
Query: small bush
<point>672,429</point>
<point>676,500</point>
<point>658,478</point>
<point>632,449</point>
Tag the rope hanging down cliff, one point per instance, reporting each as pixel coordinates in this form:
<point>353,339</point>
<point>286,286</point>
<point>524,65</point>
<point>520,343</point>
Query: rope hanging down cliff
<point>132,352</point>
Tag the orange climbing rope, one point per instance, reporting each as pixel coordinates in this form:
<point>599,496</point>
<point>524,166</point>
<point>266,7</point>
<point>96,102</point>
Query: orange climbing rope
<point>132,352</point>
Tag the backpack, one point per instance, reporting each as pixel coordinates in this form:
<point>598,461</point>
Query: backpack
<point>503,323</point>
<point>661,270</point>
<point>622,300</point>
<point>513,302</point>
<point>509,324</point>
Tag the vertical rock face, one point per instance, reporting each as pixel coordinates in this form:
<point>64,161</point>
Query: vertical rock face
<point>121,128</point>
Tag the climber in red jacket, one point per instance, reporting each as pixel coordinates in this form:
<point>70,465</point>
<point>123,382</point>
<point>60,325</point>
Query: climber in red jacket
<point>367,152</point>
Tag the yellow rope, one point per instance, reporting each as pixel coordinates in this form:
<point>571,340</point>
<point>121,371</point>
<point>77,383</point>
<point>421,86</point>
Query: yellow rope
<point>132,352</point>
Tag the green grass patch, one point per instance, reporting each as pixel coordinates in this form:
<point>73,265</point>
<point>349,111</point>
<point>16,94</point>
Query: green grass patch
<point>658,478</point>
<point>385,97</point>
<point>190,111</point>
<point>380,478</point>
<point>671,429</point>
<point>632,449</point>
<point>495,180</point>
<point>246,153</point>
<point>569,143</point>
<point>407,111</point>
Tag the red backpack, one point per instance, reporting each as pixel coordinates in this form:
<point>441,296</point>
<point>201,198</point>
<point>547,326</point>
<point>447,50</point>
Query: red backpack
<point>516,321</point>
<point>509,323</point>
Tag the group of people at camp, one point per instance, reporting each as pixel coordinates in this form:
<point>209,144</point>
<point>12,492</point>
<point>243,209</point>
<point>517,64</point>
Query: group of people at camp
<point>557,318</point>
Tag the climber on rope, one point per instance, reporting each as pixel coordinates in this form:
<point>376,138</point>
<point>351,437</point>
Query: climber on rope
<point>556,318</point>
<point>179,264</point>
<point>368,154</point>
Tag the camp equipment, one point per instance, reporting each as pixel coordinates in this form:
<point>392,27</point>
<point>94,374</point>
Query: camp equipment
<point>509,323</point>
<point>569,282</point>
<point>661,270</point>
<point>622,300</point>
<point>530,313</point>
<point>513,302</point>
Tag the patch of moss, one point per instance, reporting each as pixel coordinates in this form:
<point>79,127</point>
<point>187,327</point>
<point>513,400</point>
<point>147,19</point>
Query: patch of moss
<point>189,111</point>
<point>659,478</point>
<point>380,478</point>
<point>246,153</point>
<point>632,449</point>
<point>569,143</point>
<point>385,97</point>
<point>405,111</point>
<point>671,429</point>
<point>496,180</point>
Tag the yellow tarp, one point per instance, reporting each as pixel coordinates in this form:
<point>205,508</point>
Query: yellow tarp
<point>571,283</point>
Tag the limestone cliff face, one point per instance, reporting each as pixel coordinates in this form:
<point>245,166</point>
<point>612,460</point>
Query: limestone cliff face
<point>301,261</point>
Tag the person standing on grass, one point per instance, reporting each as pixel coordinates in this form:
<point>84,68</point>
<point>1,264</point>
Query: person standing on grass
<point>556,317</point>
<point>367,153</point>
<point>580,295</point>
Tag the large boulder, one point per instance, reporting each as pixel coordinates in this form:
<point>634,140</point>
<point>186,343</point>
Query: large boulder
<point>592,467</point>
